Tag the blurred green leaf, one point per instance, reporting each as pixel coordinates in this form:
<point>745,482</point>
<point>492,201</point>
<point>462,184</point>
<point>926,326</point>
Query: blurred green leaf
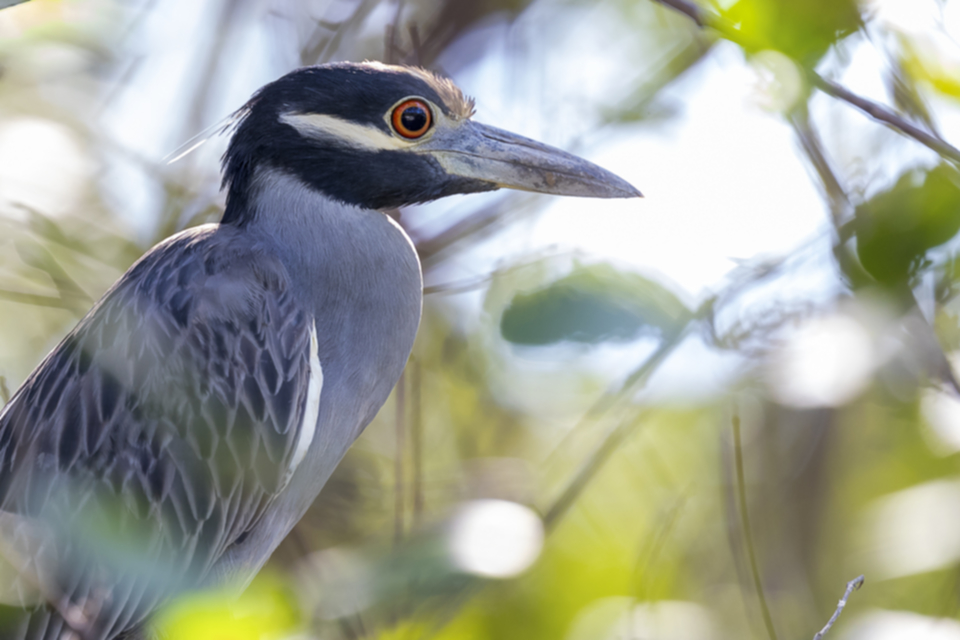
<point>920,64</point>
<point>36,255</point>
<point>896,227</point>
<point>267,610</point>
<point>802,30</point>
<point>593,304</point>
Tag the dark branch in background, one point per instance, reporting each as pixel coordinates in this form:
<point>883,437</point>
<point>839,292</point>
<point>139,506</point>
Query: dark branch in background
<point>883,114</point>
<point>747,534</point>
<point>852,586</point>
<point>476,226</point>
<point>875,110</point>
<point>41,301</point>
<point>840,206</point>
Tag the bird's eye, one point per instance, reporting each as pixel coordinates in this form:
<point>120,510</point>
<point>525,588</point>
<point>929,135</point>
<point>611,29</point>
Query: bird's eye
<point>412,118</point>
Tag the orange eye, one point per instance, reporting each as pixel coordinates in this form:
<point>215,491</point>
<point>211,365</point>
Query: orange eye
<point>412,118</point>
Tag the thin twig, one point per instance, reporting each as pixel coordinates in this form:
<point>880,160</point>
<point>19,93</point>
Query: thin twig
<point>643,568</point>
<point>852,586</point>
<point>391,46</point>
<point>40,301</point>
<point>416,47</point>
<point>747,535</point>
<point>399,488</point>
<point>840,206</point>
<point>416,435</point>
<point>875,110</point>
<point>474,227</point>
<point>603,405</point>
<point>882,114</point>
<point>594,463</point>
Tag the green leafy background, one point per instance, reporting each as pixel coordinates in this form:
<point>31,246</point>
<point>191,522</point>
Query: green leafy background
<point>534,376</point>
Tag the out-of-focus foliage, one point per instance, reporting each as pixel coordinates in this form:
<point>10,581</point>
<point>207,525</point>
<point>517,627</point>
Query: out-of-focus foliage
<point>896,227</point>
<point>267,610</point>
<point>592,304</point>
<point>802,30</point>
<point>621,446</point>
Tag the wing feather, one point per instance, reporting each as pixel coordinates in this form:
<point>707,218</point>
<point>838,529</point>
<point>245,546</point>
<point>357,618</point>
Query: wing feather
<point>159,430</point>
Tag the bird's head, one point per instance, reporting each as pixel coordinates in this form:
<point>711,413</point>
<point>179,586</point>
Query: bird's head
<point>380,136</point>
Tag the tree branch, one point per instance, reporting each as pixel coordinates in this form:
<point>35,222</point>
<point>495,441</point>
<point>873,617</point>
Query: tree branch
<point>875,110</point>
<point>852,586</point>
<point>747,531</point>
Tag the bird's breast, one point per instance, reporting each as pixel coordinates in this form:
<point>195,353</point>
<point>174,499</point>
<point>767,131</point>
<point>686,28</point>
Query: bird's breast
<point>358,273</point>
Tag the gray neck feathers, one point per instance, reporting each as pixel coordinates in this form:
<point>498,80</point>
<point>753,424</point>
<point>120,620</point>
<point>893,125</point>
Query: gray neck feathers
<point>361,279</point>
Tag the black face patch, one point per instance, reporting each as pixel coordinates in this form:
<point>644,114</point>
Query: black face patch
<point>358,93</point>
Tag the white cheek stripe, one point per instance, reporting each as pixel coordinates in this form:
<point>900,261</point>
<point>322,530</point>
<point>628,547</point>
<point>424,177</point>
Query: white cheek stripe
<point>351,134</point>
<point>308,427</point>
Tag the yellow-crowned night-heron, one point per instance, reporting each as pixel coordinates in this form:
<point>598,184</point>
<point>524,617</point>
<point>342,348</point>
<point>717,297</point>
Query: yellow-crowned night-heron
<point>185,425</point>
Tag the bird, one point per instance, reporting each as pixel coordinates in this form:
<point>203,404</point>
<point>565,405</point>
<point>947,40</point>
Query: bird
<point>183,427</point>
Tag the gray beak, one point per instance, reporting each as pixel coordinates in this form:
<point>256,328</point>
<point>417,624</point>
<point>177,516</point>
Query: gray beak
<point>499,157</point>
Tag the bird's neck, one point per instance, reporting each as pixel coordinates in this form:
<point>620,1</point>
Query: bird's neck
<point>334,252</point>
<point>356,271</point>
<point>358,275</point>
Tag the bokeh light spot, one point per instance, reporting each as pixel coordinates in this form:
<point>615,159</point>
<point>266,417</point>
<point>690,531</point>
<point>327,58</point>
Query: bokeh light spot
<point>779,84</point>
<point>895,625</point>
<point>915,530</point>
<point>42,165</point>
<point>941,410</point>
<point>826,362</point>
<point>495,538</point>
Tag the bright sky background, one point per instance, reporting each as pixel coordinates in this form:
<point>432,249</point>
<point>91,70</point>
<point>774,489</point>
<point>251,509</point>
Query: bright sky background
<point>723,179</point>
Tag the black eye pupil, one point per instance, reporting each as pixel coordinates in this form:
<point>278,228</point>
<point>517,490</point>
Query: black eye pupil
<point>414,118</point>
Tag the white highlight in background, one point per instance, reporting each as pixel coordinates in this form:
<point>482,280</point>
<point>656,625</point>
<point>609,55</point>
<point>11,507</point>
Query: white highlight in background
<point>941,410</point>
<point>914,530</point>
<point>495,538</point>
<point>42,166</point>
<point>622,618</point>
<point>826,362</point>
<point>899,625</point>
<point>941,413</point>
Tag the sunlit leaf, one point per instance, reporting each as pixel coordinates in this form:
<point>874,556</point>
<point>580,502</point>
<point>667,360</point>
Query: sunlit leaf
<point>265,611</point>
<point>591,305</point>
<point>896,227</point>
<point>925,63</point>
<point>802,30</point>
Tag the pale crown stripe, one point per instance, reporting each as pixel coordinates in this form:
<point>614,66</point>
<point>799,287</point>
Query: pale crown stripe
<point>351,134</point>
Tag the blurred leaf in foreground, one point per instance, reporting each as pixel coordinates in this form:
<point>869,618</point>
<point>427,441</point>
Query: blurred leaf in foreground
<point>896,227</point>
<point>802,30</point>
<point>266,611</point>
<point>593,304</point>
<point>924,61</point>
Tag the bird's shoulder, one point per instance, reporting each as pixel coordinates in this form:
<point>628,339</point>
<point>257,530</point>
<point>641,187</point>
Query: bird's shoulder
<point>211,270</point>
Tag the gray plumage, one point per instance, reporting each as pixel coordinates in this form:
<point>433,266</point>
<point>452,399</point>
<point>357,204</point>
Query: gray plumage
<point>180,431</point>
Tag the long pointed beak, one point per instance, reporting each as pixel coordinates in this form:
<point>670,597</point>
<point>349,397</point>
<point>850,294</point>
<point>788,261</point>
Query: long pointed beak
<point>504,159</point>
